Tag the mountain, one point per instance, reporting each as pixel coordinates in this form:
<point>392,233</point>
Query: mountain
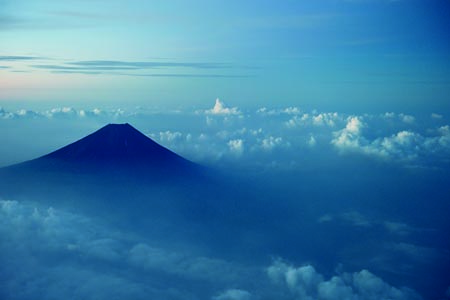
<point>120,175</point>
<point>115,158</point>
<point>117,148</point>
<point>117,144</point>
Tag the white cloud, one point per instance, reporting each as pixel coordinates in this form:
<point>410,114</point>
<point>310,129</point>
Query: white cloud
<point>407,118</point>
<point>312,141</point>
<point>306,283</point>
<point>436,116</point>
<point>236,146</point>
<point>234,294</point>
<point>169,136</point>
<point>271,142</point>
<point>405,145</point>
<point>328,119</point>
<point>291,110</point>
<point>220,109</point>
<point>5,114</point>
<point>349,137</point>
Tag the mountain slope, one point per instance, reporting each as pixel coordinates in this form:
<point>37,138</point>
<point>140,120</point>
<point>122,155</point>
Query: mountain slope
<point>116,156</point>
<point>113,148</point>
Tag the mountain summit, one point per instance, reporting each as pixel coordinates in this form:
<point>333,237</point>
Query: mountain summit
<point>116,144</point>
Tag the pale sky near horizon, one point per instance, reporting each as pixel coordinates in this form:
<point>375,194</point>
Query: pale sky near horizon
<point>363,55</point>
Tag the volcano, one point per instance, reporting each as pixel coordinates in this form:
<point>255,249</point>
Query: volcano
<point>117,154</point>
<point>118,144</point>
<point>113,148</point>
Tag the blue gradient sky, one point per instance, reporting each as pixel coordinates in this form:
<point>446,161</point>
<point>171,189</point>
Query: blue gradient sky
<point>354,55</point>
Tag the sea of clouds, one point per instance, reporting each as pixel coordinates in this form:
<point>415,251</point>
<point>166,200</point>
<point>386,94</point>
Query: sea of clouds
<point>50,253</point>
<point>366,191</point>
<point>283,137</point>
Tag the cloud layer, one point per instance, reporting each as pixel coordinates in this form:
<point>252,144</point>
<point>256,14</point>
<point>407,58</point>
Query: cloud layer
<point>282,137</point>
<point>52,253</point>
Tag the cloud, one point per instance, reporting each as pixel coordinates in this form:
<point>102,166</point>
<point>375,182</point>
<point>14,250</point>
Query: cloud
<point>148,64</point>
<point>221,110</point>
<point>307,284</point>
<point>407,118</point>
<point>291,110</point>
<point>63,113</point>
<point>17,58</point>
<point>234,294</point>
<point>269,143</point>
<point>54,254</point>
<point>113,67</point>
<point>170,137</point>
<point>357,219</point>
<point>314,119</point>
<point>436,116</point>
<point>398,228</point>
<point>403,145</point>
<point>236,146</point>
<point>349,137</point>
<point>312,141</point>
<point>275,136</point>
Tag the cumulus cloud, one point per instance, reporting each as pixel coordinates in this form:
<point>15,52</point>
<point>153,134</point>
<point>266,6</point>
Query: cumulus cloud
<point>314,119</point>
<point>403,145</point>
<point>236,146</point>
<point>308,284</point>
<point>221,109</point>
<point>349,137</point>
<point>407,118</point>
<point>169,136</point>
<point>234,294</point>
<point>271,142</point>
<point>291,110</point>
<point>60,113</point>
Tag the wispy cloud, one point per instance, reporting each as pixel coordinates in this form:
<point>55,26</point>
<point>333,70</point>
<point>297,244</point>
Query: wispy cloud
<point>149,64</point>
<point>95,67</point>
<point>17,58</point>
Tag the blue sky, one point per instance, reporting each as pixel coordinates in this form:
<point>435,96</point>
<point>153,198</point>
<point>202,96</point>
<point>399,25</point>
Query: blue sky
<point>360,55</point>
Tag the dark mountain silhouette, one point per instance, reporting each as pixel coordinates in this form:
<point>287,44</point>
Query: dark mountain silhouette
<point>113,148</point>
<point>117,144</point>
<point>115,160</point>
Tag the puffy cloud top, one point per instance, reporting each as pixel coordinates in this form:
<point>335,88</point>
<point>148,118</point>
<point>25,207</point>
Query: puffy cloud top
<point>306,283</point>
<point>220,109</point>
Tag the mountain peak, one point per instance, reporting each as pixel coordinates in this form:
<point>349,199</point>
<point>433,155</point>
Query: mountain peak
<point>117,144</point>
<point>115,153</point>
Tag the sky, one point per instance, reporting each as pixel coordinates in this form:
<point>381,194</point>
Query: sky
<point>327,120</point>
<point>324,54</point>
